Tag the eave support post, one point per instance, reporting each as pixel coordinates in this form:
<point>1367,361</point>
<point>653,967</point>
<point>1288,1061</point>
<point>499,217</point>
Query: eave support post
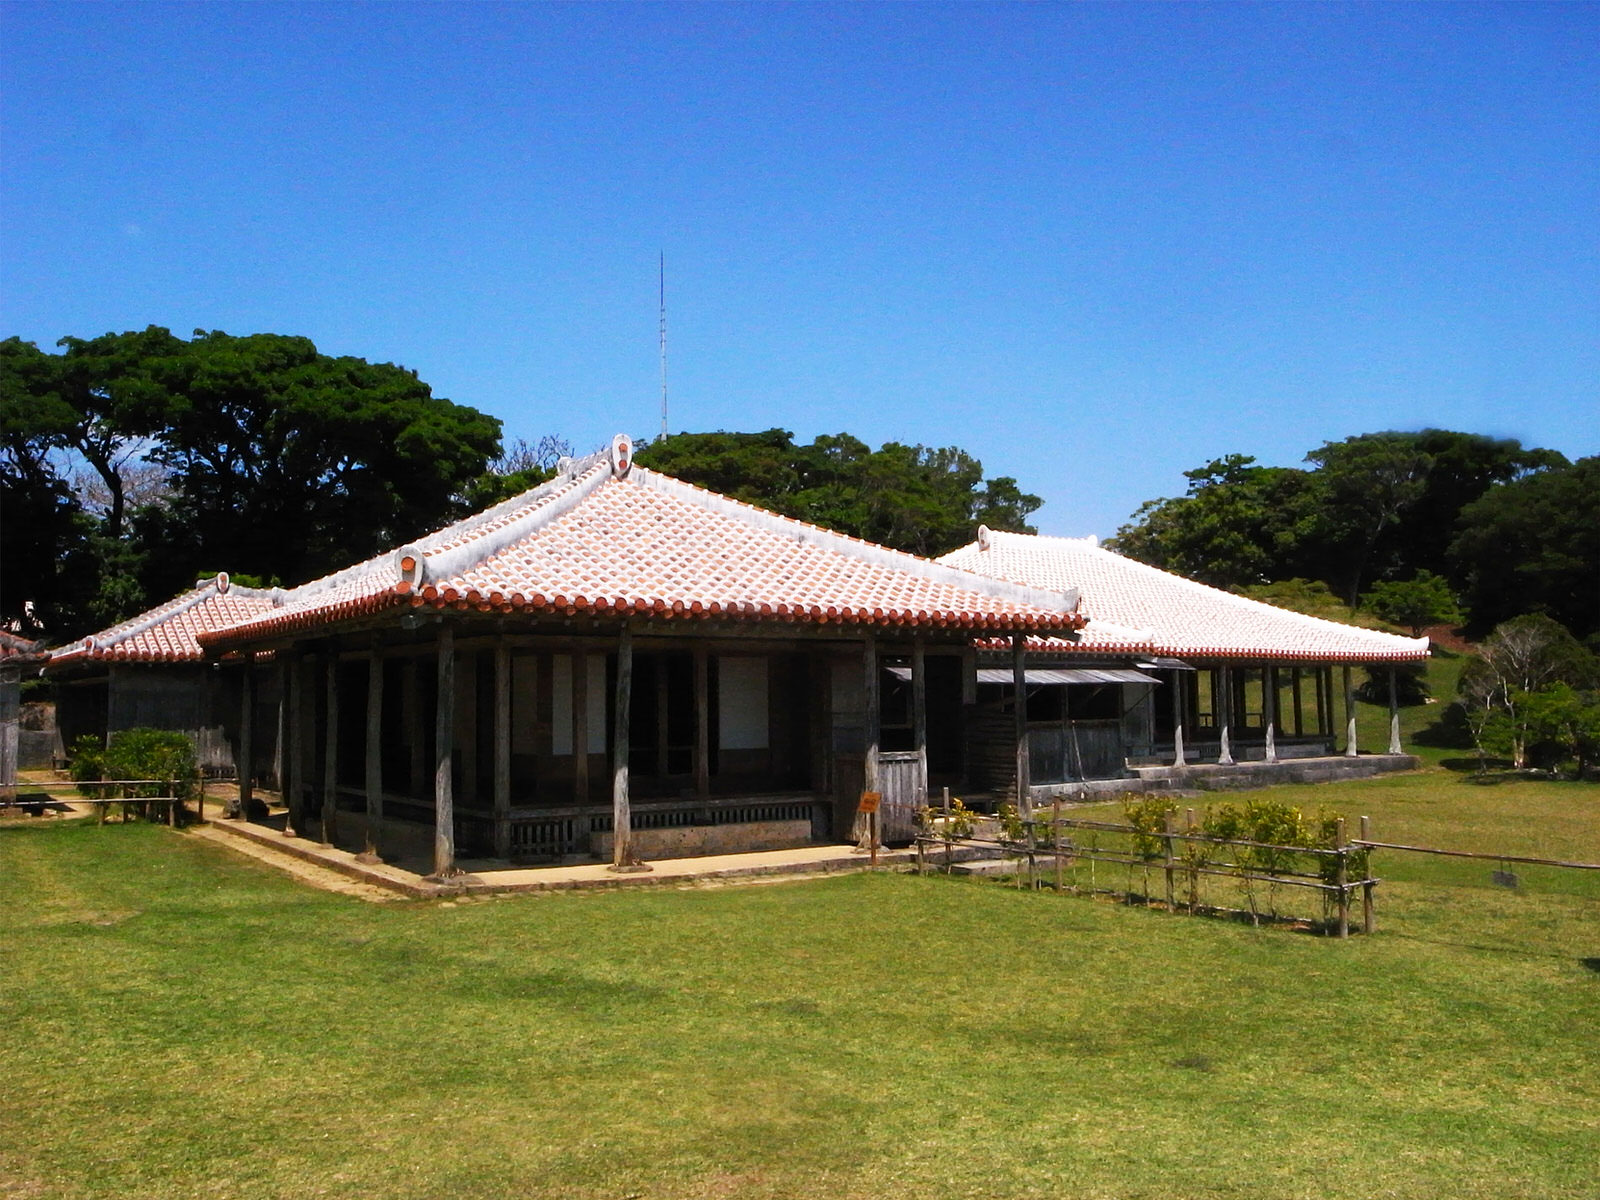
<point>1394,713</point>
<point>622,856</point>
<point>1019,694</point>
<point>293,759</point>
<point>1350,747</point>
<point>1178,759</point>
<point>919,715</point>
<point>871,780</point>
<point>374,758</point>
<point>444,817</point>
<point>330,751</point>
<point>245,768</point>
<point>1269,710</point>
<point>1224,707</point>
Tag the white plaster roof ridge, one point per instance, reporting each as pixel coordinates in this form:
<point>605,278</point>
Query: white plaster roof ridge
<point>841,543</point>
<point>457,548</point>
<point>383,568</point>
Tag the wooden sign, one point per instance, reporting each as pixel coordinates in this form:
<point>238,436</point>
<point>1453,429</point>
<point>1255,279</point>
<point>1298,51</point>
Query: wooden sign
<point>869,802</point>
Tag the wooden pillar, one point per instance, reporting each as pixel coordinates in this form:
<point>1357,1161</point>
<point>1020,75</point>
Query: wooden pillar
<point>1394,713</point>
<point>374,758</point>
<point>1299,715</point>
<point>1350,747</point>
<point>919,714</point>
<point>702,724</point>
<point>468,720</point>
<point>293,764</point>
<point>580,726</point>
<point>245,769</point>
<point>281,732</point>
<point>622,854</point>
<point>444,730</point>
<point>871,780</point>
<point>1269,710</point>
<point>1019,699</point>
<point>330,752</point>
<point>502,749</point>
<point>1178,759</point>
<point>1224,707</point>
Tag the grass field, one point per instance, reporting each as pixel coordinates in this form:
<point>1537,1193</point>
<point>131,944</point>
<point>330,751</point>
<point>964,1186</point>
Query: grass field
<point>175,1021</point>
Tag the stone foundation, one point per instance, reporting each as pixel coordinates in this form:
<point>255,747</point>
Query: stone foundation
<point>699,841</point>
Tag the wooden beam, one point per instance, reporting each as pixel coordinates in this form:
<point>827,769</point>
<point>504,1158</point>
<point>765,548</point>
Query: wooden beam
<point>245,768</point>
<point>502,749</point>
<point>1019,699</point>
<point>330,752</point>
<point>621,810</point>
<point>374,763</point>
<point>444,816</point>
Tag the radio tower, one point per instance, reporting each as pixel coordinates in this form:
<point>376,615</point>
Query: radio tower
<point>663,278</point>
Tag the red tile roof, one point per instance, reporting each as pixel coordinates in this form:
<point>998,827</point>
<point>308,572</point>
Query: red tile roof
<point>594,542</point>
<point>168,632</point>
<point>1177,616</point>
<point>15,650</point>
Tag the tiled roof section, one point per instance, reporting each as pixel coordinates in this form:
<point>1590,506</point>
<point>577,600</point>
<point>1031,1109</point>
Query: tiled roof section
<point>1181,618</point>
<point>15,650</point>
<point>653,546</point>
<point>168,632</point>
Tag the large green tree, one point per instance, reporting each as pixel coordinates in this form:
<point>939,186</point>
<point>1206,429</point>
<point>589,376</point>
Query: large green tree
<point>1533,545</point>
<point>278,461</point>
<point>1239,525</point>
<point>927,500</point>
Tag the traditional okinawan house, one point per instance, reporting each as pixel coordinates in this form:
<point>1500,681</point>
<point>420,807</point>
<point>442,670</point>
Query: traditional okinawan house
<point>620,664</point>
<point>1168,673</point>
<point>150,672</point>
<point>16,655</point>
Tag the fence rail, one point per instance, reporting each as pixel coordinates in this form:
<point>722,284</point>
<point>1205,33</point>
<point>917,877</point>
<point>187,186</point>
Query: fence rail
<point>1501,858</point>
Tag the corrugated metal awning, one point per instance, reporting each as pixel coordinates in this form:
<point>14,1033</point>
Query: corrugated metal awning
<point>1059,675</point>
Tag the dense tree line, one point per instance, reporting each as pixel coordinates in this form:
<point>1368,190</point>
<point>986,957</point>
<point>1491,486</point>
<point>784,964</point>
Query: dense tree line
<point>132,462</point>
<point>1388,516</point>
<point>918,498</point>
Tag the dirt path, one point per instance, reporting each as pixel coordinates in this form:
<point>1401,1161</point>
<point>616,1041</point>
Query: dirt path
<point>305,872</point>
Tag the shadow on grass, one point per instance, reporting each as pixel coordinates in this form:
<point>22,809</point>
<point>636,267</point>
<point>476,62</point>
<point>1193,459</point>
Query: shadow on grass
<point>1592,964</point>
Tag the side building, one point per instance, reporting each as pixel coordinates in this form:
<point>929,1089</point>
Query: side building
<point>1170,673</point>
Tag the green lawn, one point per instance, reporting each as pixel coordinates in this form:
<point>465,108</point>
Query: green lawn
<point>175,1021</point>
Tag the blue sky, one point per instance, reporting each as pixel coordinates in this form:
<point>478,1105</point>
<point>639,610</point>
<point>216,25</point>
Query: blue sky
<point>1093,245</point>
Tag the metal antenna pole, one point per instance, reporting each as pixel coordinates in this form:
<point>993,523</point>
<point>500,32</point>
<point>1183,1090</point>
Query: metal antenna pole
<point>663,278</point>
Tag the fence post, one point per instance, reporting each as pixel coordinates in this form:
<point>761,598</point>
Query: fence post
<point>920,870</point>
<point>1194,862</point>
<point>1343,877</point>
<point>1369,915</point>
<point>949,839</point>
<point>1169,822</point>
<point>172,804</point>
<point>1055,839</point>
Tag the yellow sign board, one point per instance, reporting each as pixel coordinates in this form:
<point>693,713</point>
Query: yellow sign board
<point>869,802</point>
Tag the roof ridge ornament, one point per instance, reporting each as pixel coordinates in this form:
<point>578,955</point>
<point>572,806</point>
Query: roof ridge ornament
<point>621,455</point>
<point>984,539</point>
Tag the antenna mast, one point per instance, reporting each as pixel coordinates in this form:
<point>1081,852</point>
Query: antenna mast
<point>663,343</point>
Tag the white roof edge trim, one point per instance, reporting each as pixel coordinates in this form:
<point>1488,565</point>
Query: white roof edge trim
<point>134,626</point>
<point>452,560</point>
<point>827,539</point>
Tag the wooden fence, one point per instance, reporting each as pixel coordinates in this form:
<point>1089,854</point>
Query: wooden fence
<point>1179,854</point>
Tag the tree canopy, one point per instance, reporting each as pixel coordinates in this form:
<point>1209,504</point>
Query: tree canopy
<point>274,460</point>
<point>923,499</point>
<point>1509,528</point>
